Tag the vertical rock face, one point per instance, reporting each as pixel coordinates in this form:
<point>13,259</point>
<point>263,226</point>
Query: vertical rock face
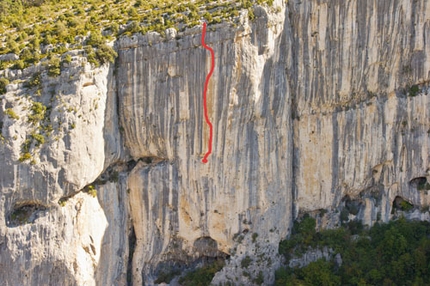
<point>51,233</point>
<point>246,186</point>
<point>315,105</point>
<point>361,101</point>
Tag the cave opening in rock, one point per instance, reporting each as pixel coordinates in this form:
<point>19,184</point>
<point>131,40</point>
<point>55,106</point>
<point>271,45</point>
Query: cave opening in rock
<point>24,213</point>
<point>400,204</point>
<point>420,183</point>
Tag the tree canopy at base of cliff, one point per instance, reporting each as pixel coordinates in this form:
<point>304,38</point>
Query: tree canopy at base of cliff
<point>397,253</point>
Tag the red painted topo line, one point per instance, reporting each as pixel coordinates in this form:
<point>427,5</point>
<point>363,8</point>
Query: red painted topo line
<point>205,107</point>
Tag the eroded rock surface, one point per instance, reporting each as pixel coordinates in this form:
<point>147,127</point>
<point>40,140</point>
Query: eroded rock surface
<point>317,106</point>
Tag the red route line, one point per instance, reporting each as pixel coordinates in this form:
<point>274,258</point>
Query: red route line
<point>205,107</point>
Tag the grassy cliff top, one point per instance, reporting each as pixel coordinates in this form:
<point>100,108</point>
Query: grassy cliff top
<point>35,29</point>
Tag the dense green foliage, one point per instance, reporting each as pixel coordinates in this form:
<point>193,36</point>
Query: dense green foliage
<point>37,113</point>
<point>397,253</point>
<point>37,29</point>
<point>202,276</point>
<point>9,112</point>
<point>316,273</point>
<point>3,83</point>
<point>105,54</point>
<point>54,66</point>
<point>414,90</point>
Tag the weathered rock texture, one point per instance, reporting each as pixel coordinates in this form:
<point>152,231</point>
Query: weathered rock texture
<point>359,127</point>
<point>315,105</point>
<point>161,110</point>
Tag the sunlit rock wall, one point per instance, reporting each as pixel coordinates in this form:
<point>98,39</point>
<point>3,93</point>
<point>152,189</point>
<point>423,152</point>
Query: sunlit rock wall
<point>246,185</point>
<point>315,105</point>
<point>360,124</point>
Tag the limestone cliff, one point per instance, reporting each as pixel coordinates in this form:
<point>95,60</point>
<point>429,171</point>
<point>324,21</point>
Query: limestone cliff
<point>361,122</point>
<point>316,105</point>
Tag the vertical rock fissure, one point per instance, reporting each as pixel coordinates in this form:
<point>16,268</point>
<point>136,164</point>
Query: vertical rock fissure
<point>131,247</point>
<point>116,93</point>
<point>291,75</point>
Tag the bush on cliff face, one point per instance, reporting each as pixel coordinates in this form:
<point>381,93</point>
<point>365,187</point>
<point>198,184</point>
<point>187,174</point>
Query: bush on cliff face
<point>54,68</point>
<point>38,111</point>
<point>10,113</point>
<point>3,83</point>
<point>106,54</point>
<point>397,253</point>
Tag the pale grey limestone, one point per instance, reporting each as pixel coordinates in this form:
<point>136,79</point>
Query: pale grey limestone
<point>310,103</point>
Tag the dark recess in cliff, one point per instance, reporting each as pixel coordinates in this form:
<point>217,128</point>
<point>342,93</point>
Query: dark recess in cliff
<point>24,213</point>
<point>131,247</point>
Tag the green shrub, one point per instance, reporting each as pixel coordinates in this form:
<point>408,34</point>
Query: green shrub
<point>106,54</point>
<point>306,226</point>
<point>282,275</point>
<point>19,65</point>
<point>38,111</point>
<point>414,90</point>
<point>60,49</point>
<point>246,262</point>
<point>12,46</point>
<point>344,215</point>
<point>424,186</point>
<point>26,145</point>
<point>48,39</point>
<point>303,236</point>
<point>80,10</point>
<point>132,12</point>
<point>95,39</point>
<point>62,202</point>
<point>246,4</point>
<point>251,14</point>
<point>395,252</point>
<point>207,16</point>
<point>40,139</point>
<point>193,15</point>
<point>114,28</point>
<point>92,59</point>
<point>138,3</point>
<point>92,191</point>
<point>406,206</point>
<point>202,276</point>
<point>133,27</point>
<point>72,22</point>
<point>319,273</point>
<point>26,55</point>
<point>260,278</point>
<point>3,83</point>
<point>54,66</point>
<point>24,157</point>
<point>67,59</point>
<point>61,30</point>
<point>35,81</point>
<point>9,112</point>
